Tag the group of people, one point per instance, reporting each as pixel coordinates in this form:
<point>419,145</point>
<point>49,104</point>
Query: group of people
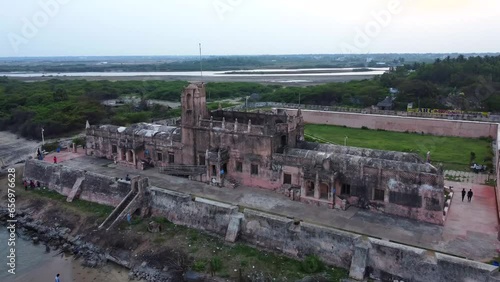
<point>469,195</point>
<point>31,184</point>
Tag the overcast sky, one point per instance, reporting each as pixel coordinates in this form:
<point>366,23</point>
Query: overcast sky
<point>226,27</point>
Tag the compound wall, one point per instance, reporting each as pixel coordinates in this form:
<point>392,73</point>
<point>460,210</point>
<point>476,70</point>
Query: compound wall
<point>190,211</point>
<point>94,188</point>
<point>440,127</point>
<point>362,255</point>
<point>297,239</point>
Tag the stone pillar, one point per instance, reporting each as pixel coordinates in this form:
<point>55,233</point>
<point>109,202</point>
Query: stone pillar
<point>359,260</point>
<point>316,187</point>
<point>332,191</point>
<point>236,125</point>
<point>133,159</point>
<point>223,123</point>
<point>249,129</point>
<point>74,148</point>
<point>207,163</point>
<point>302,185</point>
<point>218,173</point>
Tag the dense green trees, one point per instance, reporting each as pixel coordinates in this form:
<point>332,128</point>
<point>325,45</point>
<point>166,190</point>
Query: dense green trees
<point>354,93</point>
<point>461,83</point>
<point>62,106</point>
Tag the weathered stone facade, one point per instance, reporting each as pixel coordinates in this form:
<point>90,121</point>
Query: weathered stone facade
<point>268,150</point>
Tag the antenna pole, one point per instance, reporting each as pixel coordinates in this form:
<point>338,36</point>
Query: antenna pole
<point>201,65</point>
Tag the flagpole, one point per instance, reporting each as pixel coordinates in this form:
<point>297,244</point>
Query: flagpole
<point>201,65</point>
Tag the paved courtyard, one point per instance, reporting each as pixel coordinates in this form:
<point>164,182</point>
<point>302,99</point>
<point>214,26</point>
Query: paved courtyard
<point>470,230</point>
<point>467,177</point>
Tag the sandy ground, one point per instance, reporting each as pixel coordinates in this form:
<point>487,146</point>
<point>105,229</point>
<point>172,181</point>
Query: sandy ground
<point>14,149</point>
<point>279,80</point>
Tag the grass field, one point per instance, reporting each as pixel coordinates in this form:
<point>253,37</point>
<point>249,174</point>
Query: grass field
<point>453,152</point>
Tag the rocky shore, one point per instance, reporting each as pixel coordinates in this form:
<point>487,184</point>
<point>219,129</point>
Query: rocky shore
<point>57,237</point>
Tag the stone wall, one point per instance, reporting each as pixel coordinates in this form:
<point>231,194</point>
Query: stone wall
<point>298,239</point>
<point>497,166</point>
<point>361,254</point>
<point>94,188</point>
<point>394,262</point>
<point>190,211</point>
<point>440,127</point>
<point>440,114</point>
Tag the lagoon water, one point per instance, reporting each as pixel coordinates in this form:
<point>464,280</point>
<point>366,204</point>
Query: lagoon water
<point>248,73</point>
<point>33,263</point>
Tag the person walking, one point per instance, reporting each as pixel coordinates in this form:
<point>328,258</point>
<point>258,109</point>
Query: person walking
<point>55,159</point>
<point>57,278</point>
<point>463,194</point>
<point>469,195</point>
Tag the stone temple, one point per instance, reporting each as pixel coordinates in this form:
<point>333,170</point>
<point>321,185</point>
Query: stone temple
<point>268,150</point>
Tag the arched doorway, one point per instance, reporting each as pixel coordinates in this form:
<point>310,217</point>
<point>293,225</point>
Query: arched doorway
<point>309,188</point>
<point>323,191</point>
<point>130,155</point>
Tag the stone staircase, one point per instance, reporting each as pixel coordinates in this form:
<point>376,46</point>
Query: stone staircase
<point>119,211</point>
<point>131,201</point>
<point>75,190</point>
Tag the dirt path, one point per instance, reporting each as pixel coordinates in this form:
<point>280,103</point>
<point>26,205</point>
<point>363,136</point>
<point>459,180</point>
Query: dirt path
<point>14,149</point>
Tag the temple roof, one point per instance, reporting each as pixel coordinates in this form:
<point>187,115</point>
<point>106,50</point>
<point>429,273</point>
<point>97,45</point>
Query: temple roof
<point>144,129</point>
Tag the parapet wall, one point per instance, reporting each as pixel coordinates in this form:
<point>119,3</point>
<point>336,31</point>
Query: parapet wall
<point>381,259</point>
<point>297,239</point>
<point>394,262</point>
<point>361,254</point>
<point>497,165</point>
<point>439,127</point>
<point>190,211</point>
<point>94,188</point>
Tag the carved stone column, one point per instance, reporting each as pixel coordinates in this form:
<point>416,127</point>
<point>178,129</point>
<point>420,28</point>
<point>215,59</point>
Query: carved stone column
<point>316,187</point>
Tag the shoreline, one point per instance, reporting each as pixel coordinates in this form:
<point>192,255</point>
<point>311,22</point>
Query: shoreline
<point>302,80</point>
<point>71,269</point>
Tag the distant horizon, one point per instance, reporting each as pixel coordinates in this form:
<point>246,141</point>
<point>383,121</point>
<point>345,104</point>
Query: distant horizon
<point>257,55</point>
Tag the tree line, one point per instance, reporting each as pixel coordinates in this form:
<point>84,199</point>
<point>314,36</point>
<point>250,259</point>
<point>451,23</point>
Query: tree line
<point>62,106</point>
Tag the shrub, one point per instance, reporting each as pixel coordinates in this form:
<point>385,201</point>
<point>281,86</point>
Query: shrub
<point>80,141</point>
<point>312,264</point>
<point>215,265</point>
<point>486,138</point>
<point>49,147</point>
<point>199,265</point>
<point>364,127</point>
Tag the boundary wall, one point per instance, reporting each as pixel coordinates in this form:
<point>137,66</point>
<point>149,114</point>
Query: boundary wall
<point>439,127</point>
<point>363,256</point>
<point>94,187</point>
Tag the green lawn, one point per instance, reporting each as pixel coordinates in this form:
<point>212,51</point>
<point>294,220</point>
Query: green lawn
<point>453,152</point>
